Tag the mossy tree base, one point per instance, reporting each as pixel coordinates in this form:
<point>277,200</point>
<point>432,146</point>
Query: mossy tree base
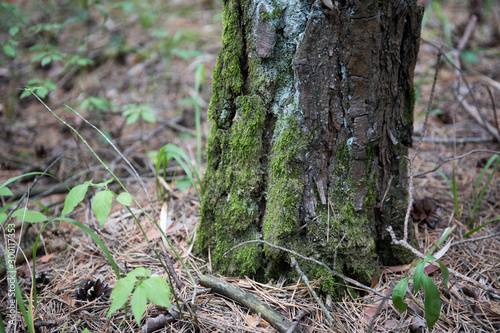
<point>312,114</point>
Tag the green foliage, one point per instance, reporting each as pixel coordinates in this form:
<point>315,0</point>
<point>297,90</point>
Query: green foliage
<point>74,197</point>
<point>398,295</point>
<point>135,111</point>
<point>30,216</point>
<point>13,19</point>
<point>476,197</point>
<point>143,286</point>
<point>40,87</point>
<point>432,301</point>
<point>481,227</point>
<point>97,103</point>
<point>171,151</point>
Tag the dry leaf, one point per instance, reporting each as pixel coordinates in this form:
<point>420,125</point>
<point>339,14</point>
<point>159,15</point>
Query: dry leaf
<point>253,320</point>
<point>46,258</point>
<point>374,282</point>
<point>391,324</point>
<point>396,269</point>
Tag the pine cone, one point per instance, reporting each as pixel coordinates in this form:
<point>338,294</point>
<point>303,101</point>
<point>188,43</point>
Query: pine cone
<point>92,290</point>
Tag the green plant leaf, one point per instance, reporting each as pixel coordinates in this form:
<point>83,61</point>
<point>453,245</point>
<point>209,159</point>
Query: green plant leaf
<point>419,273</point>
<point>157,291</point>
<point>41,92</point>
<point>132,118</point>
<point>13,30</point>
<point>120,293</point>
<point>432,301</point>
<point>139,271</point>
<point>30,216</point>
<point>101,205</point>
<point>74,197</point>
<point>446,233</point>
<point>478,199</point>
<point>6,192</point>
<point>139,302</point>
<point>199,77</point>
<point>149,116</point>
<point>19,298</point>
<point>45,61</point>
<point>480,227</point>
<point>469,56</point>
<point>447,180</point>
<point>3,217</point>
<point>9,50</point>
<point>455,191</point>
<point>124,198</point>
<point>398,295</point>
<point>104,184</point>
<point>24,94</point>
<point>483,172</point>
<point>170,151</point>
<point>443,250</point>
<point>183,183</point>
<point>13,179</point>
<point>446,274</point>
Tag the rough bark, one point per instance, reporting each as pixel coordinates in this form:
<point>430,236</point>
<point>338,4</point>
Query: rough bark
<point>312,114</point>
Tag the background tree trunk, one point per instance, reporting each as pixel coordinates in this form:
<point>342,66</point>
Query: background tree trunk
<point>312,112</point>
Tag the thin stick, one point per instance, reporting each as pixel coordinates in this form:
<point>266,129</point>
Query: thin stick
<point>412,160</point>
<point>172,272</point>
<point>296,321</point>
<point>474,239</point>
<point>345,278</point>
<point>295,265</point>
<point>459,140</point>
<point>474,151</point>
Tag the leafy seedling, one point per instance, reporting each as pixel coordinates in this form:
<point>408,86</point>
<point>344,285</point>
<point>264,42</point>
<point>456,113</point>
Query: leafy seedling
<point>143,287</point>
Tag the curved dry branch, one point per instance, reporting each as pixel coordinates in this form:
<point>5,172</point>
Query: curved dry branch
<point>248,300</point>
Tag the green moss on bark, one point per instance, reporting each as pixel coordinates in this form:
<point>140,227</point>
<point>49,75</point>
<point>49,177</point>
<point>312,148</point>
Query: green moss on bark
<point>227,74</point>
<point>285,186</point>
<point>234,184</point>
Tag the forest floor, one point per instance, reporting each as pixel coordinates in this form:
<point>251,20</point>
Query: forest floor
<point>150,72</point>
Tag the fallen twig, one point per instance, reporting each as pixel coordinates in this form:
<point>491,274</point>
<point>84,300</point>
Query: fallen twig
<point>171,270</point>
<point>153,324</point>
<point>457,158</point>
<point>246,299</point>
<point>454,141</point>
<point>474,239</point>
<point>295,265</point>
<point>296,321</point>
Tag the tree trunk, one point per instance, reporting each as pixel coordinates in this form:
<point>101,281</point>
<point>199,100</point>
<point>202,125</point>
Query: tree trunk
<point>312,112</point>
